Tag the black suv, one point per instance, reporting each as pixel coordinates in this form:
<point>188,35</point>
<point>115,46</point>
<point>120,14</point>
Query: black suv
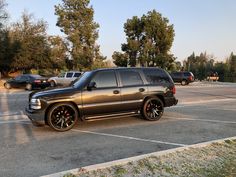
<point>104,93</point>
<point>183,77</point>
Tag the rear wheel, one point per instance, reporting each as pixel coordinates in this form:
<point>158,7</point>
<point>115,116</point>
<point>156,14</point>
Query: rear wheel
<point>62,116</point>
<point>7,86</point>
<point>153,109</point>
<point>184,82</point>
<point>28,87</point>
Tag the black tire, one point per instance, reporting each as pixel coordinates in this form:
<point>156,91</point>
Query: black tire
<point>153,109</point>
<point>52,84</point>
<point>7,86</point>
<point>184,82</point>
<point>62,117</point>
<point>28,87</point>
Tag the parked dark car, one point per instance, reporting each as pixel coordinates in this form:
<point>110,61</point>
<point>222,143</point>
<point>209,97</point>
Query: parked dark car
<point>104,93</point>
<point>27,81</point>
<point>183,77</point>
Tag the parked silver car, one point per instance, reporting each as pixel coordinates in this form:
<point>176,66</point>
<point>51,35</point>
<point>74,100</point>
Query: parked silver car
<point>64,79</point>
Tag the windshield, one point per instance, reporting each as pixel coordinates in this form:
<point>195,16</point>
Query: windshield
<point>79,82</point>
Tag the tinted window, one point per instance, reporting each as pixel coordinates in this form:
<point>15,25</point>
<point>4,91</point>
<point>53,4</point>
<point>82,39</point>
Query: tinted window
<point>130,78</point>
<point>105,79</point>
<point>77,74</point>
<point>187,74</point>
<point>22,78</point>
<point>69,75</point>
<point>82,80</point>
<point>155,76</point>
<point>177,74</point>
<point>36,76</point>
<point>18,78</point>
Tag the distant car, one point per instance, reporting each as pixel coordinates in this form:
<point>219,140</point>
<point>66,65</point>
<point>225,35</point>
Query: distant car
<point>27,81</point>
<point>213,77</point>
<point>64,79</point>
<point>183,77</point>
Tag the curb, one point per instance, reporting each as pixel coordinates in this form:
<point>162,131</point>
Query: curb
<point>126,160</point>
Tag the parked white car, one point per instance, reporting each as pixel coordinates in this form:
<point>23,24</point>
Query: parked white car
<point>64,79</point>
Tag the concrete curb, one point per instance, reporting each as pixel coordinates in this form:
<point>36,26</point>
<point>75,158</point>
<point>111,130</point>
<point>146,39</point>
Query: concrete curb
<point>126,160</point>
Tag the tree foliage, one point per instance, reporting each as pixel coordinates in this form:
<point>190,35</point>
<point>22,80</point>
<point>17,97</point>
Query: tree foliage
<point>33,51</point>
<point>75,18</point>
<point>149,40</point>
<point>25,45</point>
<point>3,13</point>
<point>58,51</point>
<point>204,65</point>
<point>120,59</point>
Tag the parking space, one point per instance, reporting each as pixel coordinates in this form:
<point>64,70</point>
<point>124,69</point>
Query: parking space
<point>204,114</point>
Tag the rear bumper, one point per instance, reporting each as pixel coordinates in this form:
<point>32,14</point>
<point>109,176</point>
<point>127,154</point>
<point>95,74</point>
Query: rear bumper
<point>41,85</point>
<point>170,101</point>
<point>36,116</point>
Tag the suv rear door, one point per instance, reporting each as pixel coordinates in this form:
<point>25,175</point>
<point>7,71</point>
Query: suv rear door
<point>105,98</point>
<point>133,89</point>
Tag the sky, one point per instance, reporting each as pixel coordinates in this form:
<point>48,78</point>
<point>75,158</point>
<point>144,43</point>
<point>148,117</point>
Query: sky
<point>200,25</point>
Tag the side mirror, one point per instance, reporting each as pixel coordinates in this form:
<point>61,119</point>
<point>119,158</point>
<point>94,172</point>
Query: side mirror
<point>91,86</point>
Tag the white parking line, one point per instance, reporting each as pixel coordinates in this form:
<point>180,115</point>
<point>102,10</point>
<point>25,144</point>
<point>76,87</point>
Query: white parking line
<point>203,120</point>
<point>182,104</point>
<point>130,138</point>
<point>13,121</point>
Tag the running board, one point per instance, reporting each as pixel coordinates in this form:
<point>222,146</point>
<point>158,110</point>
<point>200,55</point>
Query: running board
<point>91,118</point>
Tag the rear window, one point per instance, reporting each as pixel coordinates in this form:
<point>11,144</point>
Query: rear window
<point>176,74</point>
<point>156,76</point>
<point>187,74</point>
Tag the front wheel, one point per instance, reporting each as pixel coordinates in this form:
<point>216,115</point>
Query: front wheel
<point>52,84</point>
<point>153,109</point>
<point>62,116</point>
<point>7,86</point>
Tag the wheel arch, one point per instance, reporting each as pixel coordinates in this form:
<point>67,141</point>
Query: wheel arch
<point>52,104</point>
<point>161,97</point>
<point>52,80</point>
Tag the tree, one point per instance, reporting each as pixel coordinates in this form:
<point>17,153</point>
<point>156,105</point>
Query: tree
<point>33,50</point>
<point>149,40</point>
<point>58,52</point>
<point>231,68</point>
<point>3,13</point>
<point>120,59</point>
<point>24,46</point>
<point>75,18</point>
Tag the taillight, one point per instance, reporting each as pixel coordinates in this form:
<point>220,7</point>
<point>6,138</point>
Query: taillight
<point>37,81</point>
<point>190,78</point>
<point>174,90</point>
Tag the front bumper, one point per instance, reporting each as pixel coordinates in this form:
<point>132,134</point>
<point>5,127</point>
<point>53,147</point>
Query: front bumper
<point>36,116</point>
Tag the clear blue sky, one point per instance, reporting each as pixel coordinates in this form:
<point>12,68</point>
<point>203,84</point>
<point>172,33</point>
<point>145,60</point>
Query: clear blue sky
<point>200,25</point>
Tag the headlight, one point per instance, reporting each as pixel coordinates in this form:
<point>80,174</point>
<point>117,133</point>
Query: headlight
<point>35,103</point>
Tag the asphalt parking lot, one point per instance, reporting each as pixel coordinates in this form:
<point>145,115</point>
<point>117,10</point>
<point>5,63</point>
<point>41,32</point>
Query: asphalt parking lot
<point>205,112</point>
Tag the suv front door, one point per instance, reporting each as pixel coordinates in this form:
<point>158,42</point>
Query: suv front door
<point>104,97</point>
